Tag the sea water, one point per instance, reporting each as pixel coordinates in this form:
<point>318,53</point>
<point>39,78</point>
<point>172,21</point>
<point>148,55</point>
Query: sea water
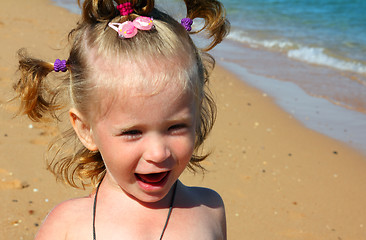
<point>327,32</point>
<point>317,45</point>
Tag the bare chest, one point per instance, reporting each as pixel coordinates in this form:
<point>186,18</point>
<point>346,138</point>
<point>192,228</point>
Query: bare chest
<point>182,224</point>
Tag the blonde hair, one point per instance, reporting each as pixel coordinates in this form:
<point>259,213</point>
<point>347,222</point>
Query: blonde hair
<point>91,40</point>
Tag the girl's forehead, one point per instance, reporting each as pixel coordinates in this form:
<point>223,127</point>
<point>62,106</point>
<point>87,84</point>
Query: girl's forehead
<point>139,88</point>
<point>144,75</point>
<point>141,102</point>
<point>117,78</point>
<point>164,94</point>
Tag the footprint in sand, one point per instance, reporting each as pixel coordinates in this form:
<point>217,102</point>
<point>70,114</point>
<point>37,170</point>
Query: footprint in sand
<point>8,182</point>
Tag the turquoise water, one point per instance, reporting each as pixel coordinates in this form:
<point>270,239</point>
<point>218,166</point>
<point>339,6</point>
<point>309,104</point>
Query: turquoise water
<point>326,32</point>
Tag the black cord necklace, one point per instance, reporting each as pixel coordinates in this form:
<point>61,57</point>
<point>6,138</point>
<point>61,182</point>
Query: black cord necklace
<point>166,221</point>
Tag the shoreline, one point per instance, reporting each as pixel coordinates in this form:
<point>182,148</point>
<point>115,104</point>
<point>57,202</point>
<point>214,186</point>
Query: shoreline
<point>279,179</point>
<point>314,112</point>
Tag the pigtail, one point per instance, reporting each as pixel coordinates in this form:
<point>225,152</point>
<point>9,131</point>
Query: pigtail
<point>94,11</point>
<point>142,7</point>
<point>36,98</point>
<point>214,16</point>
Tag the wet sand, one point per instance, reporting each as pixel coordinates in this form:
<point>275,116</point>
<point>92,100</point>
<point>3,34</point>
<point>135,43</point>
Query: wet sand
<point>279,179</point>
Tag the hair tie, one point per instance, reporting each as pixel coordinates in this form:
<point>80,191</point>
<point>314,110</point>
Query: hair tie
<point>187,23</point>
<point>60,65</point>
<point>125,8</point>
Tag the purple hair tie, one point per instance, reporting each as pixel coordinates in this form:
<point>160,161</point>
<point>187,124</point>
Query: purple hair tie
<point>125,8</point>
<point>60,65</point>
<point>187,23</point>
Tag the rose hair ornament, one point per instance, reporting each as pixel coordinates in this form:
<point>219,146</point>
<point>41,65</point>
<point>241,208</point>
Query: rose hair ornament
<point>129,29</point>
<point>125,9</point>
<point>60,65</point>
<point>187,24</point>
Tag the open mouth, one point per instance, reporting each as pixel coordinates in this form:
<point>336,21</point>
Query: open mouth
<point>152,178</point>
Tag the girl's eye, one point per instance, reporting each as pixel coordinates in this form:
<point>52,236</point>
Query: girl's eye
<point>178,128</point>
<point>132,134</point>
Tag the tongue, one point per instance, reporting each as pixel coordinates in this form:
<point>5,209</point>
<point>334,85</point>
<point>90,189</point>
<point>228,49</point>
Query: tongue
<point>153,177</point>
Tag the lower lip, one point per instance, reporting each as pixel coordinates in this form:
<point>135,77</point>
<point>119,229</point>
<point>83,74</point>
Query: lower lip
<point>151,186</point>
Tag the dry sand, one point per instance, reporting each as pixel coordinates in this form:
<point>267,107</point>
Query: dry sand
<point>279,180</point>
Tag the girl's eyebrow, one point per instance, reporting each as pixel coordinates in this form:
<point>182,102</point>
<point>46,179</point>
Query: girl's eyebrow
<point>122,128</point>
<point>127,127</point>
<point>187,118</point>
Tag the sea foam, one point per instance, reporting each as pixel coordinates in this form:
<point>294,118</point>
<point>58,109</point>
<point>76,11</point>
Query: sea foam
<point>243,37</point>
<point>317,56</point>
<point>313,55</point>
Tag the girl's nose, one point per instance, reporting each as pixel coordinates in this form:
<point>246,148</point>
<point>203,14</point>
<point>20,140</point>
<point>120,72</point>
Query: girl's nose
<point>156,150</point>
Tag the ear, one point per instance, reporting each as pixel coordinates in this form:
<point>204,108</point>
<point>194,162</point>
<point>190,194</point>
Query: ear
<point>82,129</point>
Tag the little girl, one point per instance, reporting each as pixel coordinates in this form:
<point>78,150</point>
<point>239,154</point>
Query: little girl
<point>139,106</point>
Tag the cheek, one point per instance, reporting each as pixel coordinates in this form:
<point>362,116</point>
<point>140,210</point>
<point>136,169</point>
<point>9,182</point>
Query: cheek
<point>116,156</point>
<point>184,149</point>
<point>120,162</point>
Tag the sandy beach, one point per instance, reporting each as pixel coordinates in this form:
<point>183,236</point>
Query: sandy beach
<point>279,179</point>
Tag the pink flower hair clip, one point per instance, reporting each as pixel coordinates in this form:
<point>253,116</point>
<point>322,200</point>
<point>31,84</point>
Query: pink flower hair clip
<point>129,29</point>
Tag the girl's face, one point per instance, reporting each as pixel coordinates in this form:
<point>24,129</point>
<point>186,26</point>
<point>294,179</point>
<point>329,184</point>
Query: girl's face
<point>146,141</point>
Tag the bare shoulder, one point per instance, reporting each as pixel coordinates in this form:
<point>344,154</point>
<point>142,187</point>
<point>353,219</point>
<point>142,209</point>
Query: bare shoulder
<point>207,204</point>
<point>62,219</point>
<point>205,196</point>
